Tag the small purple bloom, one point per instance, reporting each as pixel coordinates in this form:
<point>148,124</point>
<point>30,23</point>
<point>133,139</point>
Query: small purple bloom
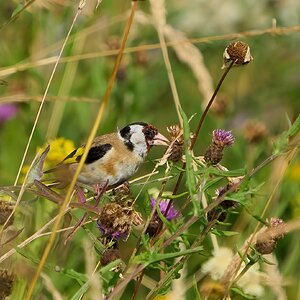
<point>110,232</point>
<point>7,111</point>
<point>223,137</point>
<point>172,213</point>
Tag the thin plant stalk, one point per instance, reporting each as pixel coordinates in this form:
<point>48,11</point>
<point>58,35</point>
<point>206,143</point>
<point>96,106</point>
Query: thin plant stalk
<point>88,144</point>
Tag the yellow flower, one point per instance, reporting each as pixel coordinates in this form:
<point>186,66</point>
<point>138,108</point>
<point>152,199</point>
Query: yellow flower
<point>59,149</point>
<point>294,171</point>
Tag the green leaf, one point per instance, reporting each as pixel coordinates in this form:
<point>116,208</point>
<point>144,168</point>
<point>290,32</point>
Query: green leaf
<point>149,258</point>
<point>282,141</point>
<point>18,9</point>
<point>190,174</point>
<point>80,277</point>
<point>196,290</point>
<point>224,232</point>
<point>231,173</point>
<point>83,289</point>
<point>240,292</point>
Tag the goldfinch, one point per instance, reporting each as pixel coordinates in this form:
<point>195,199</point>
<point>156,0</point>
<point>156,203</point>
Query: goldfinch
<point>112,158</point>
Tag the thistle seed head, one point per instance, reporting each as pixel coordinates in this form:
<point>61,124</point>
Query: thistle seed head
<point>238,52</point>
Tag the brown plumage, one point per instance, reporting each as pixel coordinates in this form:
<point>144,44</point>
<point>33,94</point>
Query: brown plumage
<point>112,158</point>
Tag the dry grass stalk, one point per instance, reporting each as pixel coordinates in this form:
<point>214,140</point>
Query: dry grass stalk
<point>236,262</point>
<point>274,279</point>
<point>94,292</point>
<point>191,55</point>
<point>51,288</point>
<point>158,9</point>
<point>159,17</point>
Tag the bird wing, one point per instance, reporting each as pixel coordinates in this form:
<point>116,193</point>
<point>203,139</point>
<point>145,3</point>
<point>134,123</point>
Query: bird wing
<point>99,148</point>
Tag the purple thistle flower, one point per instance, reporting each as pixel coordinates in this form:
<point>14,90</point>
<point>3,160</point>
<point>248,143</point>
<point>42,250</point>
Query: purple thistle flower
<point>222,137</point>
<point>110,232</point>
<point>172,213</point>
<point>7,111</point>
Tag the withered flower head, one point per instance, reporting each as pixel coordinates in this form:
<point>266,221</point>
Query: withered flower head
<point>255,131</point>
<point>123,195</point>
<point>221,139</point>
<point>177,142</point>
<point>266,240</point>
<point>6,283</point>
<point>221,105</point>
<point>238,52</point>
<point>115,221</point>
<point>109,255</point>
<point>5,211</point>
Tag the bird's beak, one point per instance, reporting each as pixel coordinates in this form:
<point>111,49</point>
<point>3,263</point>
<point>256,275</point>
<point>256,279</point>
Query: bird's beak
<point>159,140</point>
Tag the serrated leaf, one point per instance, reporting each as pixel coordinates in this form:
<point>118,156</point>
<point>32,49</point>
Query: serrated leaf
<point>149,258</point>
<point>230,173</point>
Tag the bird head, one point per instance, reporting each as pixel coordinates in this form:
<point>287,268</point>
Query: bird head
<point>140,137</point>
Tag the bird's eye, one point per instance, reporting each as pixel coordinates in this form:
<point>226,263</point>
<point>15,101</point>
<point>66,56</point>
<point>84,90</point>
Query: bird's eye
<point>150,132</point>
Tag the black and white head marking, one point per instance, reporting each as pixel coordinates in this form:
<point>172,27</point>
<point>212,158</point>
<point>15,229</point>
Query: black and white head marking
<point>135,137</point>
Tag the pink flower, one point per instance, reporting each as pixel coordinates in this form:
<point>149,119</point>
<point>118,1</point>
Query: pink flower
<point>7,111</point>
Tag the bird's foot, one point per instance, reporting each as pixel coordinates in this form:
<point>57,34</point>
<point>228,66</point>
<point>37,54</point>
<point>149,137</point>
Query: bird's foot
<point>80,195</point>
<point>99,189</point>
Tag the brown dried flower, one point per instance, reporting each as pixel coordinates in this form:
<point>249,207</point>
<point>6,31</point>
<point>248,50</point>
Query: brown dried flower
<point>177,141</point>
<point>5,211</point>
<point>123,195</point>
<point>266,240</point>
<point>109,255</point>
<point>6,283</point>
<point>255,131</point>
<point>221,105</point>
<point>115,221</point>
<point>238,52</point>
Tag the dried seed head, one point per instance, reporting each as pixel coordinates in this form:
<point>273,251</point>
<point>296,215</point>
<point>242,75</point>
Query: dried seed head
<point>123,196</point>
<point>154,226</point>
<point>5,211</point>
<point>177,141</point>
<point>213,154</point>
<point>115,221</point>
<point>238,52</point>
<point>265,244</point>
<point>6,283</point>
<point>255,131</point>
<point>221,105</point>
<point>266,241</point>
<point>109,255</point>
<point>216,214</point>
